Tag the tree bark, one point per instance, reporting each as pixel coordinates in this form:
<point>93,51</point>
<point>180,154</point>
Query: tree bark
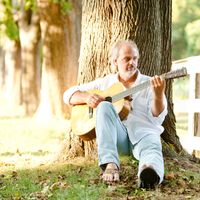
<point>60,58</point>
<point>154,42</point>
<point>29,34</point>
<point>54,63</point>
<point>149,24</point>
<point>12,74</point>
<point>73,39</point>
<point>2,70</point>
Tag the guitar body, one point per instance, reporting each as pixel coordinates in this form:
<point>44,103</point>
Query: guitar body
<point>83,125</point>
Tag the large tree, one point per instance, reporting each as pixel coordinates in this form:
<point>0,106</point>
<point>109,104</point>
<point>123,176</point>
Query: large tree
<point>10,55</point>
<point>60,44</point>
<point>2,69</point>
<point>29,34</point>
<point>12,72</point>
<point>148,22</point>
<point>21,26</point>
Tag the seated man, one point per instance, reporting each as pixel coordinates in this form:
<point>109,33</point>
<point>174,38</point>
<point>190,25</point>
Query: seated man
<point>140,132</point>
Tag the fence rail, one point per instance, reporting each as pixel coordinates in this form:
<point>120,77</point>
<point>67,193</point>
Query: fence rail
<point>190,105</point>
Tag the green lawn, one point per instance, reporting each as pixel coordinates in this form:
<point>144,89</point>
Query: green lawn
<point>28,170</point>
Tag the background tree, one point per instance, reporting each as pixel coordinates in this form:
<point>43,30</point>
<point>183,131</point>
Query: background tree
<point>2,69</point>
<point>28,60</point>
<point>29,34</point>
<point>192,31</point>
<point>104,22</point>
<point>12,72</point>
<point>185,26</point>
<point>10,55</point>
<point>59,67</point>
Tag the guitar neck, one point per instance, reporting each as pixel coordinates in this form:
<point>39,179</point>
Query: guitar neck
<point>169,75</point>
<point>130,91</point>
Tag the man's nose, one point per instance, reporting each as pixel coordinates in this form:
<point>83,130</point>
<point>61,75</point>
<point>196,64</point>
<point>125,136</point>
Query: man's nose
<point>131,61</point>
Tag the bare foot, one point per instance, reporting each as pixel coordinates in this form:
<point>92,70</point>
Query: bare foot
<point>111,173</point>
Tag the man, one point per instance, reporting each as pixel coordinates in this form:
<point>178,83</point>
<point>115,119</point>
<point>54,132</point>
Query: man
<point>140,132</point>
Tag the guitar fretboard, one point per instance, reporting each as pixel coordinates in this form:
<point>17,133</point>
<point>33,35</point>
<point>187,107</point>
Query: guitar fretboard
<point>130,91</point>
<point>170,75</point>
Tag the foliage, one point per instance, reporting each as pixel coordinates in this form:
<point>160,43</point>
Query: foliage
<point>183,13</point>
<point>30,4</point>
<point>193,37</point>
<point>65,5</point>
<point>181,88</point>
<point>9,12</point>
<point>7,21</point>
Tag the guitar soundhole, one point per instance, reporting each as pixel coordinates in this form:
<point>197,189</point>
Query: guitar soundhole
<point>109,99</point>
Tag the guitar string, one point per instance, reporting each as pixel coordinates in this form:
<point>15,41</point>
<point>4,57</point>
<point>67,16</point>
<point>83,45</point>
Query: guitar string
<point>135,89</point>
<point>130,91</point>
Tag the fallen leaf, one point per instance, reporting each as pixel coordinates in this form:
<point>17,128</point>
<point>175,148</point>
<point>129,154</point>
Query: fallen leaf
<point>170,176</point>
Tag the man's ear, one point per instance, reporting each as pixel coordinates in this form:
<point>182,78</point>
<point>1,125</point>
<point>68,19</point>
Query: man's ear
<point>114,66</point>
<point>115,62</point>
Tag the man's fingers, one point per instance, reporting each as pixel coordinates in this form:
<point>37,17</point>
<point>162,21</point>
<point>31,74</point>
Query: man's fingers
<point>157,81</point>
<point>94,100</point>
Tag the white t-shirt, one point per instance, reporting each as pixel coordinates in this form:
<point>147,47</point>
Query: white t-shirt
<point>140,121</point>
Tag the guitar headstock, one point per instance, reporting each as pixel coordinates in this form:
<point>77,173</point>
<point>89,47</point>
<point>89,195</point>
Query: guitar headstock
<point>175,73</point>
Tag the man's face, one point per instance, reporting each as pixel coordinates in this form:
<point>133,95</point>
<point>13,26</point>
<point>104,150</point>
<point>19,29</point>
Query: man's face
<point>127,62</point>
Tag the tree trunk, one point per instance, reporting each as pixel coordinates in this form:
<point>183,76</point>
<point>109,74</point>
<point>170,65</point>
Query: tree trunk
<point>154,41</point>
<point>149,24</point>
<point>73,39</point>
<point>29,33</point>
<point>60,58</point>
<point>12,79</point>
<point>2,70</point>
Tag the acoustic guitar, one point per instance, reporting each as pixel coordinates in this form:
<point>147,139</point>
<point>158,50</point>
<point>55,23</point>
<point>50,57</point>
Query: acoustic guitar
<point>83,118</point>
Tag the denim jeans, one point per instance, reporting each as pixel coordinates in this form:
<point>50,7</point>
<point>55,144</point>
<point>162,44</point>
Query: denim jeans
<point>113,139</point>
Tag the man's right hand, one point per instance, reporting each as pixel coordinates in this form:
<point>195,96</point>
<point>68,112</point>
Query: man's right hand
<point>93,100</point>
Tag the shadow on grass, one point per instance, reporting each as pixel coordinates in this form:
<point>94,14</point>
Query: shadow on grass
<point>79,179</point>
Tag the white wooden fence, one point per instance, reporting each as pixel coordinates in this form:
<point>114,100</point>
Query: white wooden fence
<point>191,105</point>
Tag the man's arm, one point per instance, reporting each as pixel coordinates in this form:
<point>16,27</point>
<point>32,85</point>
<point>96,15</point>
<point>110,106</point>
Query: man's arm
<point>158,86</point>
<point>91,100</point>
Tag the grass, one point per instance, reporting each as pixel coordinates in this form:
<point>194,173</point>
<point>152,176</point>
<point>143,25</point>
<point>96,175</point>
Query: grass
<point>79,180</point>
<point>27,135</point>
<point>26,141</point>
<point>28,172</point>
<point>59,181</point>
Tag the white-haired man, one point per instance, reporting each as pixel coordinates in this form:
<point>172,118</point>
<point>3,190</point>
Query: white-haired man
<point>140,132</point>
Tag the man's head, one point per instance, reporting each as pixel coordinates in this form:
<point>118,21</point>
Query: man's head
<point>124,56</point>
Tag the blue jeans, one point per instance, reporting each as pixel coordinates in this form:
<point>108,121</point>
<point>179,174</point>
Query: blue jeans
<point>112,140</point>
